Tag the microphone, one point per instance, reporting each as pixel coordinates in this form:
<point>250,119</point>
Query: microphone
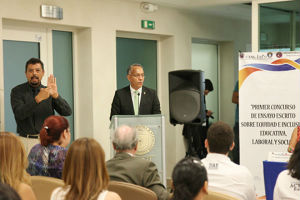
<point>138,102</point>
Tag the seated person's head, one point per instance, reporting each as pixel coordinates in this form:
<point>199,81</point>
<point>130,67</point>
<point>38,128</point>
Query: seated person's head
<point>189,180</point>
<point>294,162</point>
<point>13,160</point>
<point>84,169</point>
<point>220,138</point>
<point>124,138</point>
<point>8,193</point>
<point>55,130</point>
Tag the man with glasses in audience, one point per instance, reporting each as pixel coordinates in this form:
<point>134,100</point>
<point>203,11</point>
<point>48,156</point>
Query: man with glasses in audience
<point>135,99</point>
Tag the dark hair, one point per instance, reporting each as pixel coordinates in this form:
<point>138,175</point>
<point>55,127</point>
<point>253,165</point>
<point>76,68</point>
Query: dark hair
<point>208,85</point>
<point>220,137</point>
<point>294,162</point>
<point>52,129</point>
<point>8,193</point>
<point>189,176</point>
<point>33,61</point>
<point>133,65</point>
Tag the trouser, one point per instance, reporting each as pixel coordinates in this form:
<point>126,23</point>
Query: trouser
<point>195,134</point>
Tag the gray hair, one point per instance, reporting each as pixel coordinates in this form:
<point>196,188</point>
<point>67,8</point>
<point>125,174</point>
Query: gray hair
<point>124,138</point>
<point>133,65</point>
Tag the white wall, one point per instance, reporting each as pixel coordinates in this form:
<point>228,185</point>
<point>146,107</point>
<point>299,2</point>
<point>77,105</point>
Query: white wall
<point>96,23</point>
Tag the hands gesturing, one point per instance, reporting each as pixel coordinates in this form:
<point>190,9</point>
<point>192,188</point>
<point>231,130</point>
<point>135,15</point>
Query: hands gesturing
<point>51,86</point>
<point>42,95</point>
<point>51,90</point>
<point>209,113</point>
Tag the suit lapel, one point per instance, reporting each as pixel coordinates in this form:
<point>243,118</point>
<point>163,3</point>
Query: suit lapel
<point>143,100</point>
<point>129,101</point>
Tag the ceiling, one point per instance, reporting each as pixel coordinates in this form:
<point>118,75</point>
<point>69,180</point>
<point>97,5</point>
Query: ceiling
<point>194,4</point>
<point>236,9</point>
<point>225,8</point>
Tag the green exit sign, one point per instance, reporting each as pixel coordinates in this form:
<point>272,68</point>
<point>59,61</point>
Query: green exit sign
<point>147,24</point>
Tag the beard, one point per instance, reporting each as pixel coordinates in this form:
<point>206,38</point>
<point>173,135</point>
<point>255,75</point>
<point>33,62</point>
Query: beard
<point>34,82</point>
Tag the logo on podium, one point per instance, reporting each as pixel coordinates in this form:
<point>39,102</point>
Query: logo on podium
<point>146,140</point>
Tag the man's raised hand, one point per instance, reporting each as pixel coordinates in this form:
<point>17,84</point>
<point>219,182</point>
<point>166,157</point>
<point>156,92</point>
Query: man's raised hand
<point>52,87</point>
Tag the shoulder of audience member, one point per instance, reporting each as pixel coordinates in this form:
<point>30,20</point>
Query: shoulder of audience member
<point>112,196</point>
<point>142,160</point>
<point>26,192</point>
<point>244,172</point>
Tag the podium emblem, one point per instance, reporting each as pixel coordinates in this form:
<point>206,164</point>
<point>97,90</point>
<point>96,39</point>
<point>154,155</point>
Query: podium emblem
<point>146,140</point>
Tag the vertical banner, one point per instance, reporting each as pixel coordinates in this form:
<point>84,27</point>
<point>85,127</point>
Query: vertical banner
<point>269,100</point>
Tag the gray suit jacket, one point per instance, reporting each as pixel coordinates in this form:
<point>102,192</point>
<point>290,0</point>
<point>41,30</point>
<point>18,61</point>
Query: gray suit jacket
<point>126,168</point>
<point>122,102</point>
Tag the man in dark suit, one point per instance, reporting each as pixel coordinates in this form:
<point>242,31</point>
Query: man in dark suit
<point>125,167</point>
<point>135,99</point>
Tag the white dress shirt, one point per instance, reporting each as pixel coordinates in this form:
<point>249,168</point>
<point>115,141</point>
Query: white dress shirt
<point>132,91</point>
<point>226,177</point>
<point>286,187</point>
<point>60,194</point>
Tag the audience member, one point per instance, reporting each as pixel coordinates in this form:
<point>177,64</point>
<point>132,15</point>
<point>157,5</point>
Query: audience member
<point>125,167</point>
<point>13,163</point>
<point>189,180</point>
<point>224,175</point>
<point>8,193</point>
<point>84,173</point>
<point>288,182</point>
<point>47,158</point>
<point>294,139</point>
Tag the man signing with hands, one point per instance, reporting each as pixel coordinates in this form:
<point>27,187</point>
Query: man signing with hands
<point>33,102</point>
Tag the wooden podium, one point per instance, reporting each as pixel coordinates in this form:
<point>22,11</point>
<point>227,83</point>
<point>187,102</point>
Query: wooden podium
<point>151,138</point>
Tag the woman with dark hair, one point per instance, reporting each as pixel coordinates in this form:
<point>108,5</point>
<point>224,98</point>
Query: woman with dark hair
<point>288,182</point>
<point>47,158</point>
<point>85,173</point>
<point>189,180</point>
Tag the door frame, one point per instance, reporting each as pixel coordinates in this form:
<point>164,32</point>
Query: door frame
<point>37,32</point>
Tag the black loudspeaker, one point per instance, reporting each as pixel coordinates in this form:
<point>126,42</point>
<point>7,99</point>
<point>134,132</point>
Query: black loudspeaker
<point>186,97</point>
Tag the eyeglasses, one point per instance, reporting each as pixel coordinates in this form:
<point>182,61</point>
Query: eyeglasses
<point>138,75</point>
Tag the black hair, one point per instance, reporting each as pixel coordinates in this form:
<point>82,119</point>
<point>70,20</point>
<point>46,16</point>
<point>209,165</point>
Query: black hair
<point>220,137</point>
<point>33,61</point>
<point>189,176</point>
<point>208,85</point>
<point>8,193</point>
<point>294,162</point>
<point>133,65</point>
